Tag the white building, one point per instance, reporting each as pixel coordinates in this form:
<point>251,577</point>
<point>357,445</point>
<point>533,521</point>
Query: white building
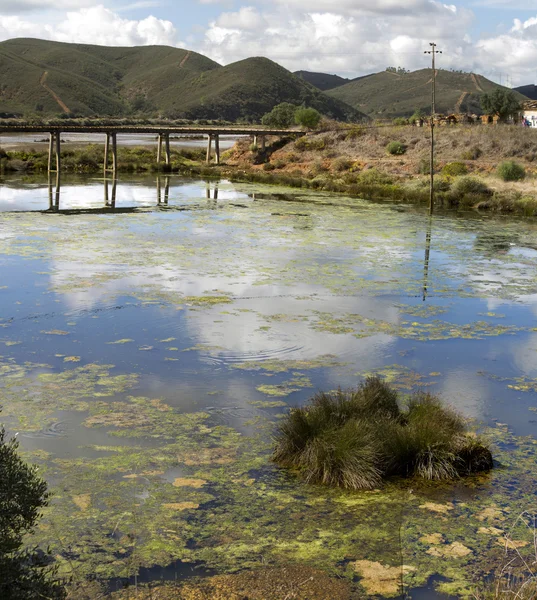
<point>529,113</point>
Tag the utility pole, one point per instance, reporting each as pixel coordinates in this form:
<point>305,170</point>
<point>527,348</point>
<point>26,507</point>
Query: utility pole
<point>432,52</point>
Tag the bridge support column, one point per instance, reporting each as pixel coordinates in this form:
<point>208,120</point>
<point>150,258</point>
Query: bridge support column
<point>159,148</point>
<point>166,190</point>
<point>255,140</point>
<point>50,150</point>
<point>114,153</point>
<point>167,147</point>
<point>263,143</point>
<point>58,150</point>
<point>217,149</point>
<point>106,152</point>
<point>209,143</point>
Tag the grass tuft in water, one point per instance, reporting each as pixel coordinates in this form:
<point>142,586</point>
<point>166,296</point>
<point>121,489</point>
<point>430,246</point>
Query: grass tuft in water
<point>356,438</point>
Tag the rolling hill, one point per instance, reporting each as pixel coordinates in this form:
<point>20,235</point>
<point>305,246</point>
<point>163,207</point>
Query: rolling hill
<point>322,81</point>
<point>48,78</point>
<point>388,95</point>
<point>530,91</point>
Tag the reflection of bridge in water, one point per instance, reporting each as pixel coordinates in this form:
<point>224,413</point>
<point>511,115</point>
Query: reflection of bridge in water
<point>110,194</point>
<point>258,135</point>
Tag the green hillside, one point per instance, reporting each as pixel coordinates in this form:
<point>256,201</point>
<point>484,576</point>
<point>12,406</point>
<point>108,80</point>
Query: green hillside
<point>322,81</point>
<point>388,95</point>
<point>530,91</point>
<point>250,88</point>
<point>48,77</point>
<point>51,78</point>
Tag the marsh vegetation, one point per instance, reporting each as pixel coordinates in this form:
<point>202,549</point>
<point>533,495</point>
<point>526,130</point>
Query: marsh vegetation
<point>357,438</point>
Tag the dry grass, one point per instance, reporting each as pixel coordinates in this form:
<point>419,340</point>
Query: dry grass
<point>517,578</point>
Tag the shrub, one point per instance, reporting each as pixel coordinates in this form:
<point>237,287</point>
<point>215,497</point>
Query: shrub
<point>356,438</point>
<point>355,132</point>
<point>454,169</point>
<point>396,148</point>
<point>510,170</point>
<point>470,185</point>
<point>24,572</point>
<point>268,167</point>
<point>253,147</point>
<point>281,116</point>
<point>307,117</point>
<point>472,154</point>
<point>400,121</point>
<point>424,166</point>
<point>342,164</point>
<point>372,176</point>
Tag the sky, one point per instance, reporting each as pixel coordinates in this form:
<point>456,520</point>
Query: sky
<point>497,38</point>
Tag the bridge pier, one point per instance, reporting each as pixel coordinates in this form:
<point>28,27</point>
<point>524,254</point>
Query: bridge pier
<point>159,148</point>
<point>50,149</point>
<point>209,144</point>
<point>167,148</point>
<point>110,203</point>
<point>263,143</point>
<point>217,149</point>
<point>254,140</point>
<point>106,152</point>
<point>58,150</point>
<point>114,153</point>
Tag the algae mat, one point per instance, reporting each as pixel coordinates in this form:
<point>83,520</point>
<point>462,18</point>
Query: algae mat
<point>146,356</point>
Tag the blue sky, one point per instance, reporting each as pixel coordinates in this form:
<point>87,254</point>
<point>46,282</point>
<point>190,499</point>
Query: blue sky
<point>350,37</point>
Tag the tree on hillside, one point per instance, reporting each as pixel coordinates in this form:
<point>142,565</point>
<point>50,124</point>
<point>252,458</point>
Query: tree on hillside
<point>307,117</point>
<point>24,572</point>
<point>500,102</point>
<point>281,116</point>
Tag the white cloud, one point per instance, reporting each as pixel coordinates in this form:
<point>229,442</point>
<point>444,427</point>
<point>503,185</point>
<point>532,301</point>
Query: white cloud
<point>347,39</point>
<point>94,25</point>
<point>8,7</point>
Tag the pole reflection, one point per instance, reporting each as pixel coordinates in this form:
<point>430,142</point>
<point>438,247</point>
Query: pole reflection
<point>426,258</point>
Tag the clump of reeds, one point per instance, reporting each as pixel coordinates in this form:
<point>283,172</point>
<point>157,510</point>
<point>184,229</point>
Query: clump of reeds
<point>357,438</point>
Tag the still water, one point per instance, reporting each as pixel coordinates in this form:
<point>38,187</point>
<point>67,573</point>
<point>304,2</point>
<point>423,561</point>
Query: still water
<point>153,330</point>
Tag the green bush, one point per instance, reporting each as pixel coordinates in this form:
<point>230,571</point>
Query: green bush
<point>396,148</point>
<point>372,176</point>
<point>355,132</point>
<point>341,164</point>
<point>454,169</point>
<point>472,154</point>
<point>357,438</point>
<point>400,121</point>
<point>510,170</point>
<point>307,117</point>
<point>470,185</point>
<point>281,116</point>
<point>24,571</point>
<point>268,167</point>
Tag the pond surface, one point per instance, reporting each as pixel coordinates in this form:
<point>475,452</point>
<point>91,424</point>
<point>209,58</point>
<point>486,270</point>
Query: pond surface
<point>152,335</point>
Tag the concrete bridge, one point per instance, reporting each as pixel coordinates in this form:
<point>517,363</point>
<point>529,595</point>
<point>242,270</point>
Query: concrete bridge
<point>258,134</point>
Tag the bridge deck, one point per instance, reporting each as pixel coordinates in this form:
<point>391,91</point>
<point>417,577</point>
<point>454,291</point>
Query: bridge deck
<point>154,129</point>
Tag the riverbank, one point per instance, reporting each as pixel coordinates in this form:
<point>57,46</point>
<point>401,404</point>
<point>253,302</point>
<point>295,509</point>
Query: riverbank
<point>354,161</point>
<point>357,161</point>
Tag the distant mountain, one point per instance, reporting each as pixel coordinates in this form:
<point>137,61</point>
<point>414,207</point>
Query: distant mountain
<point>388,95</point>
<point>530,91</point>
<point>322,81</point>
<point>47,78</point>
